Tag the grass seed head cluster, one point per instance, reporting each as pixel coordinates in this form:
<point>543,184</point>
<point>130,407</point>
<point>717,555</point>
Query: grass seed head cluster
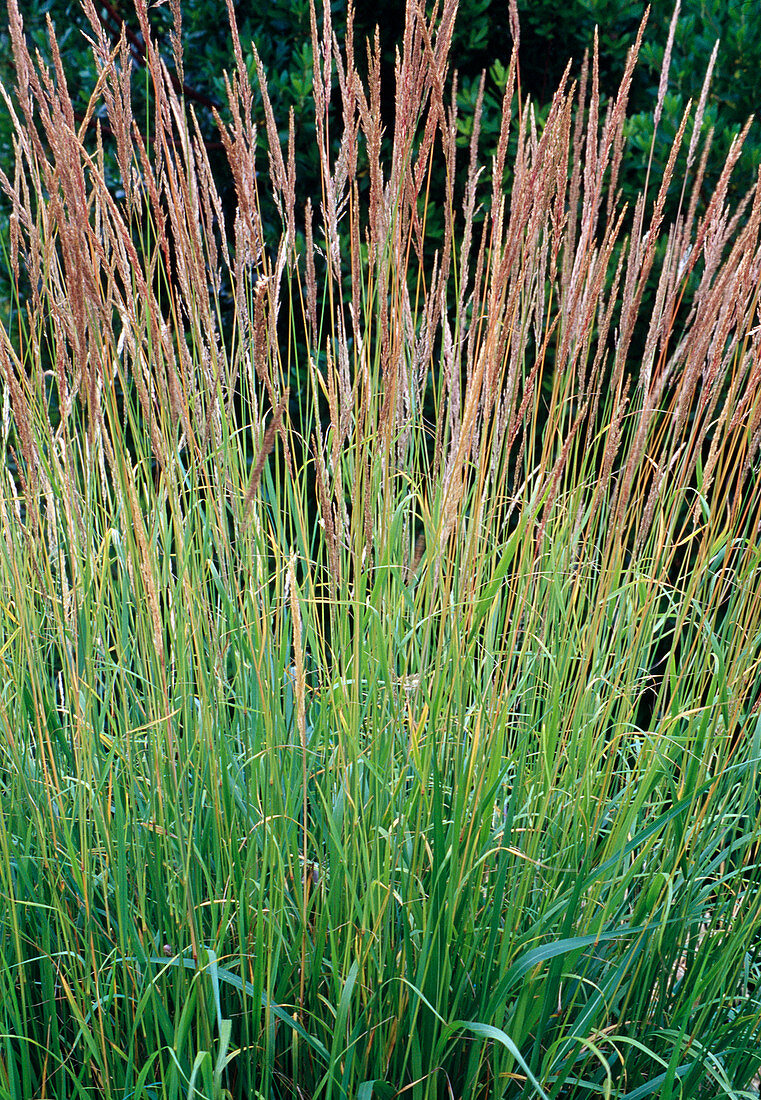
<point>379,622</point>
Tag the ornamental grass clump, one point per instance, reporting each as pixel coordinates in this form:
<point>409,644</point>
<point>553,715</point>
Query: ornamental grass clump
<point>379,622</point>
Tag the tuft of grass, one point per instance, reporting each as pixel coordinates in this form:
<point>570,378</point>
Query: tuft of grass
<point>380,668</point>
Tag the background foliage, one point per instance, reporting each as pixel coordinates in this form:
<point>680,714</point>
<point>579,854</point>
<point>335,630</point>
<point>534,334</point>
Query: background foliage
<point>552,32</point>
